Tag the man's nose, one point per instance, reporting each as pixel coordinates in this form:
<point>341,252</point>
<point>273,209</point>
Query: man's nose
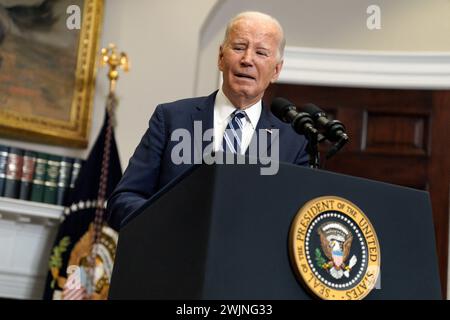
<point>247,58</point>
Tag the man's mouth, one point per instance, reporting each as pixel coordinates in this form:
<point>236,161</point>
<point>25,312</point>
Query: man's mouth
<point>244,76</point>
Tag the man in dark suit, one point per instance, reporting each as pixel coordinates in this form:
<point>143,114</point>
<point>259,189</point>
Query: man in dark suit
<point>250,58</point>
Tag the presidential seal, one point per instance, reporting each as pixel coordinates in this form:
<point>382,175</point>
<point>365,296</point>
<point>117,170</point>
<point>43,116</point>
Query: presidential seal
<point>77,285</point>
<point>334,249</point>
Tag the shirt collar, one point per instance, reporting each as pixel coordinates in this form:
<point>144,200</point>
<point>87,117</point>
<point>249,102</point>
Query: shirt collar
<point>224,108</point>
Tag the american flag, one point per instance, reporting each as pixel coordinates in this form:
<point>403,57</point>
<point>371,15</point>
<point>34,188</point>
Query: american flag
<point>80,214</point>
<point>73,288</point>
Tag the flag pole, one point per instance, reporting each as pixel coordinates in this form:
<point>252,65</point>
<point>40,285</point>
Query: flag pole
<point>109,58</point>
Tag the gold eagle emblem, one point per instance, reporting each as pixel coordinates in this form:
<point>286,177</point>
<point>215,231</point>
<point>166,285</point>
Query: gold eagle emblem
<point>336,242</point>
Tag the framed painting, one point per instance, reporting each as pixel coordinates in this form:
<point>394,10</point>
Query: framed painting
<point>47,69</point>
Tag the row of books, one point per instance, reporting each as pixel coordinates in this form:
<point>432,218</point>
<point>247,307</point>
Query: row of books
<point>36,176</point>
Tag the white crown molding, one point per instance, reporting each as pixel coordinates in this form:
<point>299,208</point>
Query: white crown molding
<point>382,69</point>
<point>16,207</point>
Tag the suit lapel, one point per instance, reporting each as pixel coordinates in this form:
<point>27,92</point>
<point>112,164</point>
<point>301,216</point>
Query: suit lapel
<point>265,123</point>
<point>202,120</point>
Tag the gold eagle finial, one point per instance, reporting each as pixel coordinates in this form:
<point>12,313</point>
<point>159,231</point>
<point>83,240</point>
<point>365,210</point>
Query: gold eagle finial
<point>115,61</point>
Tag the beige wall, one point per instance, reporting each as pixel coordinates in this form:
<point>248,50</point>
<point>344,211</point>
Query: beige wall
<point>406,25</point>
<point>161,39</point>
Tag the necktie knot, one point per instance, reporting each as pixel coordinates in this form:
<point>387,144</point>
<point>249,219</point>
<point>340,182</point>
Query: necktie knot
<point>232,138</point>
<point>239,113</point>
<point>238,117</point>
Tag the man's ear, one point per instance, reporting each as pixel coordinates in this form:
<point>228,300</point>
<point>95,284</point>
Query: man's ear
<point>220,57</point>
<point>277,71</point>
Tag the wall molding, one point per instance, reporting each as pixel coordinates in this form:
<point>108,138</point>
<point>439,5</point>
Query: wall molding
<point>372,69</point>
<point>30,209</point>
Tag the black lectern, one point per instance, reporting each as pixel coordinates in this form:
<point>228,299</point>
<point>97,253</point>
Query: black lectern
<point>222,233</point>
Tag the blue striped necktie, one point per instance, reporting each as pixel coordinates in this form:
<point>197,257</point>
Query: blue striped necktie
<point>232,138</point>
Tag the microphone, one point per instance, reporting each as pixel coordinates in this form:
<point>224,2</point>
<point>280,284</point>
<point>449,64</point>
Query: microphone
<point>333,130</point>
<point>302,122</point>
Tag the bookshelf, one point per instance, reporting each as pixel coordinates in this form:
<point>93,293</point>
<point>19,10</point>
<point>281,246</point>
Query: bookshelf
<point>27,232</point>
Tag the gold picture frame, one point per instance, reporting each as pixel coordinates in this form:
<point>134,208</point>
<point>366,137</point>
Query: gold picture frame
<point>48,96</point>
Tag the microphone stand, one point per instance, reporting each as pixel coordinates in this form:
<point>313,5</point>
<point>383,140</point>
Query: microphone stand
<point>303,124</point>
<point>313,149</point>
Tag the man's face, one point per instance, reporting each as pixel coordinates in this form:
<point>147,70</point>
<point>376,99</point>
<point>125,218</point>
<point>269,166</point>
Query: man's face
<point>249,60</point>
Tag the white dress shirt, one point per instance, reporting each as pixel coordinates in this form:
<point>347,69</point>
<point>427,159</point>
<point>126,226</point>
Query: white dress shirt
<point>223,109</point>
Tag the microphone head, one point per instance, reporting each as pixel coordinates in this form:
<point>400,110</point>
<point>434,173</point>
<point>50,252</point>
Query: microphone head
<point>280,106</point>
<point>312,109</point>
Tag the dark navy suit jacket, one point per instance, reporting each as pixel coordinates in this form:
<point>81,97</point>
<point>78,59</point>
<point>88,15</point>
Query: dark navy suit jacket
<point>151,168</point>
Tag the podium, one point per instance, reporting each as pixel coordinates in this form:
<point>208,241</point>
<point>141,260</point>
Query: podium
<point>222,232</point>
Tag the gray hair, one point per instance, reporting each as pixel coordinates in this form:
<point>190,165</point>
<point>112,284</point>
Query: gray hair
<point>256,14</point>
